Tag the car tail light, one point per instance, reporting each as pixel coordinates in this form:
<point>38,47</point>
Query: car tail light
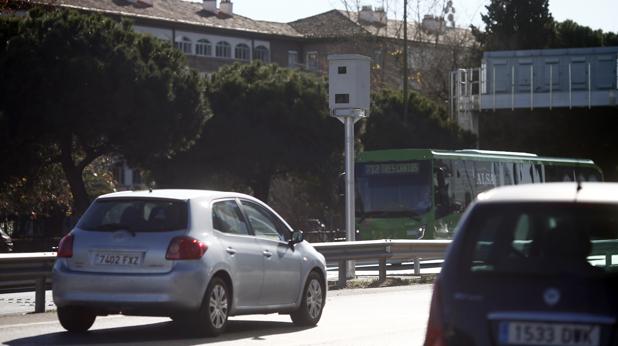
<point>435,325</point>
<point>65,248</point>
<point>185,248</point>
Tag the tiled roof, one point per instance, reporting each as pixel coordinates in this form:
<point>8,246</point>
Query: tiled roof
<point>182,12</point>
<point>331,24</point>
<point>328,24</point>
<point>338,23</point>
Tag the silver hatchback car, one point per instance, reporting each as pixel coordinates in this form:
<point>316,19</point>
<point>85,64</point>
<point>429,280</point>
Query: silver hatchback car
<point>195,256</point>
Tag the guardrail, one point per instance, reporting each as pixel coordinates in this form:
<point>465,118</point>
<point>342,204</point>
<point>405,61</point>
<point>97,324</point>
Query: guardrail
<point>27,269</point>
<point>341,252</point>
<point>34,269</point>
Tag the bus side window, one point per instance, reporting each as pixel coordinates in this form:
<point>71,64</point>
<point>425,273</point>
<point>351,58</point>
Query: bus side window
<point>441,196</point>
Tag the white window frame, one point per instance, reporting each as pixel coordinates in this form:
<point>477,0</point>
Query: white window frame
<point>223,49</point>
<point>257,53</point>
<point>203,47</point>
<point>242,52</point>
<point>185,45</point>
<point>292,58</point>
<point>312,61</point>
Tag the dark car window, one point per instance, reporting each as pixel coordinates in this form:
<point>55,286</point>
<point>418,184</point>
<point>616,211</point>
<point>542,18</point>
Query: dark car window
<point>543,238</point>
<point>264,224</point>
<point>227,218</point>
<point>139,215</point>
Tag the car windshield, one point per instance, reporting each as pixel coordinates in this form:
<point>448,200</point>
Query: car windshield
<point>135,215</point>
<point>544,238</point>
<point>393,188</point>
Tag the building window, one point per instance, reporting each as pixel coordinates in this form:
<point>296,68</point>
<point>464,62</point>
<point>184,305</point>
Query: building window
<point>241,51</point>
<point>223,50</point>
<point>184,44</point>
<point>203,47</point>
<point>292,59</point>
<point>312,61</point>
<point>261,53</point>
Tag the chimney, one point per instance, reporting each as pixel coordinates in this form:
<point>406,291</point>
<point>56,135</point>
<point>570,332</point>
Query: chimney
<point>380,16</point>
<point>210,5</point>
<point>433,25</point>
<point>366,14</point>
<point>226,7</point>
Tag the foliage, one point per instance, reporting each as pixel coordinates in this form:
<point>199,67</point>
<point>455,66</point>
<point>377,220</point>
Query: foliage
<point>569,34</point>
<point>268,121</point>
<point>427,125</point>
<point>566,133</point>
<point>77,86</point>
<point>516,24</point>
<point>46,192</point>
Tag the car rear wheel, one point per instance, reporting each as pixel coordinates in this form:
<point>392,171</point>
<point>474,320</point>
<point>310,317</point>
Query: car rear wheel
<point>215,308</point>
<point>310,310</point>
<point>75,318</point>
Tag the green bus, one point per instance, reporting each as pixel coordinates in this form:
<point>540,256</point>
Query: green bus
<point>421,193</point>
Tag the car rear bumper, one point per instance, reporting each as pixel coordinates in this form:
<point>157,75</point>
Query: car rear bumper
<point>179,290</point>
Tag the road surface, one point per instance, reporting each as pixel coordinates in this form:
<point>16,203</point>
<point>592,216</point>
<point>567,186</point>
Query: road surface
<point>377,316</point>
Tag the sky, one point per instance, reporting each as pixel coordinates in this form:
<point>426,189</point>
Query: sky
<point>597,14</point>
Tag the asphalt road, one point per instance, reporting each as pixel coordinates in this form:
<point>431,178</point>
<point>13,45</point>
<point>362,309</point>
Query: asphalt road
<point>378,316</point>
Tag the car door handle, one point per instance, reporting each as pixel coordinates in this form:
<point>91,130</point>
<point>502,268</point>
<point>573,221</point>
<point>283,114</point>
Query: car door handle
<point>231,251</point>
<point>267,253</point>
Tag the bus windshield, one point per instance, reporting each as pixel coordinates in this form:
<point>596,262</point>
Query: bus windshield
<point>390,189</point>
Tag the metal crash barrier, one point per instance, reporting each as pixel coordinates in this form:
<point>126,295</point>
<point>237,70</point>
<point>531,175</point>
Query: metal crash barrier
<point>381,250</point>
<point>27,270</point>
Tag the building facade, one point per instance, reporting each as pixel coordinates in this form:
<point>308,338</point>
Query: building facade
<point>212,35</point>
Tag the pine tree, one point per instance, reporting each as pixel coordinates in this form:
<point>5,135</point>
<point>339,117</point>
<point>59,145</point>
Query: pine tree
<point>516,24</point>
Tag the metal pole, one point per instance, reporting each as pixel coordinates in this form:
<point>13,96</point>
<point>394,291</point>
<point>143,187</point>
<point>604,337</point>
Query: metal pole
<point>589,88</point>
<point>452,96</point>
<point>405,60</point>
<point>350,224</point>
<point>531,87</point>
<point>39,297</point>
<point>551,85</point>
<point>513,87</point>
<point>570,95</point>
<point>493,84</point>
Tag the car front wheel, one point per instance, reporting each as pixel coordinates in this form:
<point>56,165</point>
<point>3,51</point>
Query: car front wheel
<point>76,319</point>
<point>310,310</point>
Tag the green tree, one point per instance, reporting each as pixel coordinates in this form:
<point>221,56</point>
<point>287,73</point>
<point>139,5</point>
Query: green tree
<point>427,125</point>
<point>577,133</point>
<point>516,24</point>
<point>268,121</point>
<point>74,87</point>
<point>569,34</point>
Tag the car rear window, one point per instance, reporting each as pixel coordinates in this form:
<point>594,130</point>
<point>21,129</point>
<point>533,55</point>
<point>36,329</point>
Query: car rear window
<point>137,215</point>
<point>543,238</point>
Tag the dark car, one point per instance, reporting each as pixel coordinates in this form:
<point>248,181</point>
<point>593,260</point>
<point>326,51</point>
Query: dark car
<point>6,243</point>
<point>531,265</point>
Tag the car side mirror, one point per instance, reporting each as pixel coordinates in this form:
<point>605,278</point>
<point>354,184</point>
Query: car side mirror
<point>297,237</point>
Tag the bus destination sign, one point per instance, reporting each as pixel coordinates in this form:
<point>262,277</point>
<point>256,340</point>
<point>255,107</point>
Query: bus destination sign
<point>391,168</point>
